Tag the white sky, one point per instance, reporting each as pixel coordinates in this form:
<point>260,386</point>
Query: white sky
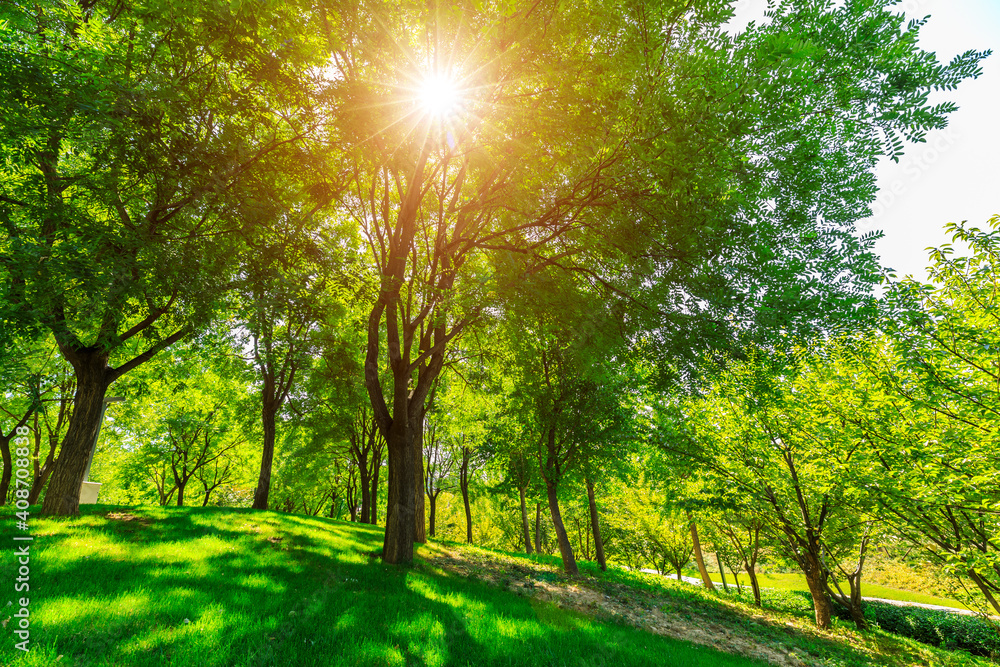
<point>955,176</point>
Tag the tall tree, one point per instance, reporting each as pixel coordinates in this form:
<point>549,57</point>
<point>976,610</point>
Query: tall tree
<point>117,236</point>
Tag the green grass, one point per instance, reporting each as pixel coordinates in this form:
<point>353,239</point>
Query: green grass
<point>213,587</point>
<point>797,582</point>
<point>785,625</point>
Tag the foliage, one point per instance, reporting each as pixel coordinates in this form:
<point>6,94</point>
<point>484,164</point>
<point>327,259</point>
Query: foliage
<point>937,628</point>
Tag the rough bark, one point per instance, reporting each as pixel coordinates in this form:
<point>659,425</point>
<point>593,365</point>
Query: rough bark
<point>816,580</point>
<point>94,376</point>
<point>595,526</point>
<point>698,557</point>
<point>400,524</point>
<point>524,522</point>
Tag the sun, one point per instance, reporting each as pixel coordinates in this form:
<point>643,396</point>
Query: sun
<point>439,96</point>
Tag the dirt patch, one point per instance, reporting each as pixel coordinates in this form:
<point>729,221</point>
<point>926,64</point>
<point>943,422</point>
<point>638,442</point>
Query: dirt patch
<point>126,517</point>
<point>657,614</point>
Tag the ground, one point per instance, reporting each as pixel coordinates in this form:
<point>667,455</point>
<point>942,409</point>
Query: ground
<point>213,587</point>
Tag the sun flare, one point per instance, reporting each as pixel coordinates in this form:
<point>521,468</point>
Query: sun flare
<point>439,96</point>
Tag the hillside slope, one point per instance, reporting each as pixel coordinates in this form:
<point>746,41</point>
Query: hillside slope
<point>213,587</point>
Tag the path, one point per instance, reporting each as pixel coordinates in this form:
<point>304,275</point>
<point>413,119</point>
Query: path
<point>898,603</point>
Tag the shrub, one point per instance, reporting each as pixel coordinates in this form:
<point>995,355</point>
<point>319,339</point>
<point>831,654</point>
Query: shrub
<point>938,628</point>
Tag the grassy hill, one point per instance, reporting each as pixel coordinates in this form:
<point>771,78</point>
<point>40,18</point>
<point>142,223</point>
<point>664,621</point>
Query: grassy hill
<point>210,586</point>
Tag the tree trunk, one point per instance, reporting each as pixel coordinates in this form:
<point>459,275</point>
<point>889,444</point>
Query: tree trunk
<point>579,538</point>
<point>268,411</point>
<point>984,588</point>
<point>180,495</point>
<point>464,484</point>
<point>722,572</point>
<point>538,526</point>
<point>524,522</point>
<point>42,471</point>
<point>565,548</point>
<point>397,547</point>
<point>8,465</point>
<point>736,578</point>
<point>595,526</point>
<point>62,498</point>
<point>365,489</point>
<point>754,584</point>
<point>419,512</point>
<point>374,492</point>
<point>816,580</point>
<point>433,501</point>
<point>706,580</point>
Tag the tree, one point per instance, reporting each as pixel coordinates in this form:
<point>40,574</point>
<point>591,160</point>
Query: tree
<point>742,527</point>
<point>435,196</point>
<point>789,454</point>
<point>117,234</point>
<point>440,463</point>
<point>182,422</point>
<point>925,397</point>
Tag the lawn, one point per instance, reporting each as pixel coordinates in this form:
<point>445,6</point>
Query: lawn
<point>797,582</point>
<point>208,586</point>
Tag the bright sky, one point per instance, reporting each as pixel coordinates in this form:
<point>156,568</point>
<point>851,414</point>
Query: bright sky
<point>955,176</point>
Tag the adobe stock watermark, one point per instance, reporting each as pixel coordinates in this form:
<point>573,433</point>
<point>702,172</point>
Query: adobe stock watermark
<point>912,167</point>
<point>22,556</point>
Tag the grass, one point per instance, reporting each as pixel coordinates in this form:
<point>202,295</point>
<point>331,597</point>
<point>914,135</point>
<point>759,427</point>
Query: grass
<point>212,587</point>
<point>797,582</point>
<point>784,628</point>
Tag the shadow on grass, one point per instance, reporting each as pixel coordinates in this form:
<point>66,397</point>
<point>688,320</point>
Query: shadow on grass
<point>206,587</point>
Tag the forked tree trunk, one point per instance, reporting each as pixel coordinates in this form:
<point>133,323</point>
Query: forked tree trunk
<point>524,522</point>
<point>595,526</point>
<point>93,377</point>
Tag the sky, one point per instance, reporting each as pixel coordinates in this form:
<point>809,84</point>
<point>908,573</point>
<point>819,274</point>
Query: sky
<point>955,175</point>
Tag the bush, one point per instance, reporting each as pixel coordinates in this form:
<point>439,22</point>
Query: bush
<point>938,628</point>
